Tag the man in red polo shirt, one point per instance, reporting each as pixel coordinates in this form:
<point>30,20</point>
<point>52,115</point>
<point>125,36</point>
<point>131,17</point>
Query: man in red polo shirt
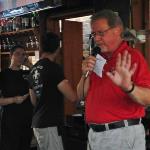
<point>117,90</point>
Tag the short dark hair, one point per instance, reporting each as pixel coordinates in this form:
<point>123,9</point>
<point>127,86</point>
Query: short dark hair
<point>112,17</point>
<point>50,42</point>
<point>13,49</point>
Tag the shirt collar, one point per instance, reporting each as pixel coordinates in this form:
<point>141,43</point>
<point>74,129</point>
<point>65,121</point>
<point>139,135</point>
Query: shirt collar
<point>123,46</point>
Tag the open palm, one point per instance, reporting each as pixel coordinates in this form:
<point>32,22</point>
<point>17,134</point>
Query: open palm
<point>123,72</point>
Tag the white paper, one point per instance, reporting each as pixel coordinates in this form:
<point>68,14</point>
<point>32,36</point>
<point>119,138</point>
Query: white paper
<point>100,62</point>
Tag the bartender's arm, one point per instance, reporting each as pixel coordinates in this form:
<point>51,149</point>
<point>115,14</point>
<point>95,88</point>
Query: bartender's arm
<point>32,96</point>
<point>67,90</point>
<point>11,100</point>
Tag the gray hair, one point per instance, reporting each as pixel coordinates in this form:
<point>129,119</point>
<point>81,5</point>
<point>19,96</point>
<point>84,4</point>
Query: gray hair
<point>112,17</point>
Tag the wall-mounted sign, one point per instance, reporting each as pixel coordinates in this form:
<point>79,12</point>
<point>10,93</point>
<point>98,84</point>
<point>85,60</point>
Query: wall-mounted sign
<point>11,8</point>
<point>10,4</point>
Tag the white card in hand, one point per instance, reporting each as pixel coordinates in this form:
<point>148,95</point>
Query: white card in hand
<point>100,62</point>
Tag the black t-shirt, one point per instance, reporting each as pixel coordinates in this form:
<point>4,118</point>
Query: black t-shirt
<point>15,83</point>
<point>44,77</point>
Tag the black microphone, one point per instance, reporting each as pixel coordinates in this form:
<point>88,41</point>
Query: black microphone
<point>96,50</point>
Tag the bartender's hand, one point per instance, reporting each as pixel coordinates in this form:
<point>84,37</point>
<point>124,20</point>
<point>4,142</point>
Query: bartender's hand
<point>123,71</point>
<point>20,99</point>
<point>88,64</point>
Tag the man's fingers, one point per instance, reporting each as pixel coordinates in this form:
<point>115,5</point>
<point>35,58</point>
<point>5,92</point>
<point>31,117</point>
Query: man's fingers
<point>133,68</point>
<point>88,64</point>
<point>128,61</point>
<point>118,62</point>
<point>124,59</point>
<point>110,75</point>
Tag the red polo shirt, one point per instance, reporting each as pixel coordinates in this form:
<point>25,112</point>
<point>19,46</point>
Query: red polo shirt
<point>105,101</point>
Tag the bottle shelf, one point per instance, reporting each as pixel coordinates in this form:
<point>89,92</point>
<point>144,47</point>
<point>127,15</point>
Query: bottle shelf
<point>27,51</point>
<point>19,31</point>
<point>4,53</point>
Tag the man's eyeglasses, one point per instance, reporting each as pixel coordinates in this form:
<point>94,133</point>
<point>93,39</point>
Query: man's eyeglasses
<point>100,33</point>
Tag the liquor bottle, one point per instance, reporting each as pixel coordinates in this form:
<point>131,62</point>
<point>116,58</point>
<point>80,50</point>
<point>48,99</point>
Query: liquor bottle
<point>3,47</point>
<point>3,25</point>
<point>18,23</point>
<point>11,25</point>
<point>37,19</point>
<point>36,43</point>
<point>1,28</point>
<point>26,21</point>
<point>13,43</point>
<point>22,23</point>
<point>7,26</point>
<point>0,45</point>
<point>7,44</point>
<point>32,20</point>
<point>31,42</point>
<point>14,24</point>
<point>28,44</point>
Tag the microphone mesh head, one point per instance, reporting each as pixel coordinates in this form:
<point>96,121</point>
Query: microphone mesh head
<point>96,50</point>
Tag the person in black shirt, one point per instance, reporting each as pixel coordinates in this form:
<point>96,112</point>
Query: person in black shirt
<point>48,85</point>
<point>16,132</point>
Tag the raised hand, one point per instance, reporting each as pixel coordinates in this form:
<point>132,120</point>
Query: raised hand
<point>123,71</point>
